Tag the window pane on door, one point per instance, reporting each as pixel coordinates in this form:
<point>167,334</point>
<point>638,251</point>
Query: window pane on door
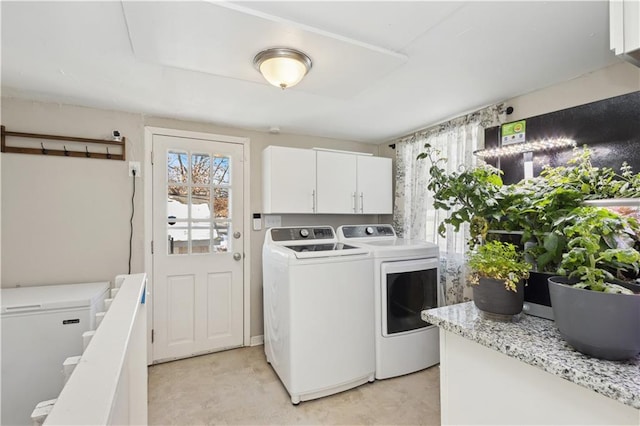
<point>221,172</point>
<point>200,169</point>
<point>200,237</point>
<point>200,202</point>
<point>177,202</point>
<point>177,167</point>
<point>221,202</point>
<point>221,237</point>
<point>178,237</point>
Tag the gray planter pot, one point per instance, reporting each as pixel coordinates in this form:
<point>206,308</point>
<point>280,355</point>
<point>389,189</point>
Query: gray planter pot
<point>491,297</point>
<point>602,325</point>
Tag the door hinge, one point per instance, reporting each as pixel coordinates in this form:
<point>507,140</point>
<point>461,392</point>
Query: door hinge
<point>152,335</point>
<point>151,246</point>
<point>152,158</point>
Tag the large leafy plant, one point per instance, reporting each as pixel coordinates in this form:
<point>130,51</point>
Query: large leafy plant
<point>563,236</point>
<point>470,195</point>
<point>594,183</point>
<point>536,205</point>
<point>501,261</point>
<point>601,248</point>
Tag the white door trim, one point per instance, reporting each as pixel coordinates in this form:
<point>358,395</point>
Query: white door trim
<point>149,132</point>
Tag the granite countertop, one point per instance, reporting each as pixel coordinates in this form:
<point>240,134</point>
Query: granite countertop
<point>536,341</point>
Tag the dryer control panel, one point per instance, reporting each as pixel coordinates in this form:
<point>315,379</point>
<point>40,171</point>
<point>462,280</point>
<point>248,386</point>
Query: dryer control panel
<point>363,231</point>
<point>302,233</point>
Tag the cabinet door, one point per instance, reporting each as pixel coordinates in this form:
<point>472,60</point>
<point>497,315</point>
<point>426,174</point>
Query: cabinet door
<point>374,185</point>
<point>336,182</point>
<point>288,180</point>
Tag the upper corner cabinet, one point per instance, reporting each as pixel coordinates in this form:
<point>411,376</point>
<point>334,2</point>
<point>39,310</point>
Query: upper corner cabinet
<point>288,180</point>
<point>374,185</point>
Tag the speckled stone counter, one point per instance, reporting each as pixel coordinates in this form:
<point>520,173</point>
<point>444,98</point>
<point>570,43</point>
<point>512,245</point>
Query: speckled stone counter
<point>536,341</point>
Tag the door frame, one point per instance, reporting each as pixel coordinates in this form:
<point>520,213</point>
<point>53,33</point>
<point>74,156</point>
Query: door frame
<point>149,132</point>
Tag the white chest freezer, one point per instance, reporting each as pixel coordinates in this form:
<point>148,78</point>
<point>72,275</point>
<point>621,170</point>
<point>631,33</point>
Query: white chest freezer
<point>41,327</point>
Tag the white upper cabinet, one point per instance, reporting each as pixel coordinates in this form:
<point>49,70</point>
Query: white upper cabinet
<point>288,180</point>
<point>374,185</point>
<point>336,182</point>
<point>624,29</point>
<point>298,180</point>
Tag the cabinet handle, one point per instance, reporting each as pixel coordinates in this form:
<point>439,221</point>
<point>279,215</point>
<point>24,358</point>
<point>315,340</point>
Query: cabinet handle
<point>313,201</point>
<point>362,202</point>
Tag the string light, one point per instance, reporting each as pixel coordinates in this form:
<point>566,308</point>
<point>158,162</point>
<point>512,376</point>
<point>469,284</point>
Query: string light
<point>520,148</point>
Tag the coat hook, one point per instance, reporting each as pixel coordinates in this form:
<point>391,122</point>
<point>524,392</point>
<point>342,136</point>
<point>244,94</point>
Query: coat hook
<point>108,154</point>
<point>66,153</point>
<point>44,151</point>
<point>86,149</point>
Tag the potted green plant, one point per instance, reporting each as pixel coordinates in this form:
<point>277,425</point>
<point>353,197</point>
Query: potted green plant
<point>498,273</point>
<point>595,307</point>
<point>537,206</point>
<point>595,249</point>
<point>470,195</point>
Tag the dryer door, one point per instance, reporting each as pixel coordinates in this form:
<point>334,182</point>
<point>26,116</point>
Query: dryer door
<point>407,288</point>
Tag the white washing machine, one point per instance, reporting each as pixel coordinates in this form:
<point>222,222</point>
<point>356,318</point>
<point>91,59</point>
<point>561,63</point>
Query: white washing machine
<point>406,283</point>
<point>318,311</point>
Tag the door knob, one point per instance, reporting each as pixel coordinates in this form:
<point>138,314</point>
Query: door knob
<point>237,235</point>
<point>237,256</point>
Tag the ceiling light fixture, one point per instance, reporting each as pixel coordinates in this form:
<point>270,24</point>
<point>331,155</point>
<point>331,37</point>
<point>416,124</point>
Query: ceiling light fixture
<point>281,66</point>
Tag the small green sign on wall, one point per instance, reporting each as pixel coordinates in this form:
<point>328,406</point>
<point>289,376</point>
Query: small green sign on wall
<point>513,132</point>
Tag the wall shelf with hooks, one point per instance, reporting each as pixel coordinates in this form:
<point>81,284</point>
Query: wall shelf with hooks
<point>55,145</point>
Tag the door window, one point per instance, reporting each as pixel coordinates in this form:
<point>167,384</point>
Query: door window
<point>198,203</point>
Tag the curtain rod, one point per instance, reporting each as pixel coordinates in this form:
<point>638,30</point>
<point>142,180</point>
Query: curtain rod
<point>508,110</point>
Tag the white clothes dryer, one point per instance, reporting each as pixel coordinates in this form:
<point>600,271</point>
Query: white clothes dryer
<point>318,311</point>
<point>406,283</point>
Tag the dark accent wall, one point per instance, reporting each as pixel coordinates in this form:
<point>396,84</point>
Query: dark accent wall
<point>610,127</point>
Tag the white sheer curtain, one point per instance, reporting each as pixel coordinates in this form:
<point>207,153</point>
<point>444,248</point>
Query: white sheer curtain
<point>414,214</point>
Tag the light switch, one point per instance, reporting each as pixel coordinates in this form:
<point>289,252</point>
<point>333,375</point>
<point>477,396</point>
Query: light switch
<point>257,222</point>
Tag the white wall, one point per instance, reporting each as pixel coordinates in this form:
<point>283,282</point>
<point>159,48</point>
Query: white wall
<point>615,80</point>
<point>67,219</point>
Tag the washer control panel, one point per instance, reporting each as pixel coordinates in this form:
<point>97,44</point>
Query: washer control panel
<point>302,233</point>
<point>363,231</point>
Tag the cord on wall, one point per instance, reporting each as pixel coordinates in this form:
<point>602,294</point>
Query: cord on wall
<point>133,210</point>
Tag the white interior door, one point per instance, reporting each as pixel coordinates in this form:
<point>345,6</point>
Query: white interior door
<point>198,249</point>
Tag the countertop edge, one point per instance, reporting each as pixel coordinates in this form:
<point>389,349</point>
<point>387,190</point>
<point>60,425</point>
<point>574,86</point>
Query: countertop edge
<point>540,361</point>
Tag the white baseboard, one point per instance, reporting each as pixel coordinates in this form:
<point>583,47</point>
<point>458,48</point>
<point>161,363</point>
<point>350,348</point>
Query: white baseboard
<point>256,340</point>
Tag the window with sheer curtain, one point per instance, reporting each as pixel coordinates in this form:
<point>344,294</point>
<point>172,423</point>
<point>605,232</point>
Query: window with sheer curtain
<point>414,214</point>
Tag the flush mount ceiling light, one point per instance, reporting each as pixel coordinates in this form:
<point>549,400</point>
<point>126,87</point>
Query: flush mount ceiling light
<point>282,67</point>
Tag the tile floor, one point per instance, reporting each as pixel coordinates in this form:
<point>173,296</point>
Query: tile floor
<point>238,387</point>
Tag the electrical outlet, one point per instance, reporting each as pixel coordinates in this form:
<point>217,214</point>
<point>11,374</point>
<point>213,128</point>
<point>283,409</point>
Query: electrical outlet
<point>135,165</point>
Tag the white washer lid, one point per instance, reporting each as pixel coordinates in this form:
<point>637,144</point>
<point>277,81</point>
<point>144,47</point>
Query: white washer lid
<point>38,298</point>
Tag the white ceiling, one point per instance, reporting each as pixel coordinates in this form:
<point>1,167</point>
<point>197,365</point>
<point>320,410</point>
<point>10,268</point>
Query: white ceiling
<point>380,69</point>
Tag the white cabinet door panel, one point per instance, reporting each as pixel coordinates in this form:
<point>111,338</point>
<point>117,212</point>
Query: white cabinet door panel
<point>336,182</point>
<point>289,180</point>
<point>374,185</point>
